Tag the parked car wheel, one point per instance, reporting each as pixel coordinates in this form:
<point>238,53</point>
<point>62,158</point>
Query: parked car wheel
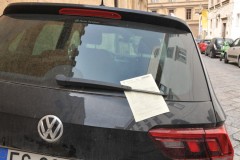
<point>221,57</point>
<point>225,58</point>
<point>205,53</point>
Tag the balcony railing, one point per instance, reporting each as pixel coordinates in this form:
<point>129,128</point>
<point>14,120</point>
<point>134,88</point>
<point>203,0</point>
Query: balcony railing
<point>218,5</point>
<point>211,8</point>
<point>225,2</point>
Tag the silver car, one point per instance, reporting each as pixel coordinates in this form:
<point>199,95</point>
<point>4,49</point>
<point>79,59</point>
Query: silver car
<point>233,53</point>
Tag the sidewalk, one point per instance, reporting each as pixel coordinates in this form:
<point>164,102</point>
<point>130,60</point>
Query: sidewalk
<point>225,79</point>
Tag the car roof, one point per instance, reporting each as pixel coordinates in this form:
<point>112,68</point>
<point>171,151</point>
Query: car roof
<point>221,38</point>
<point>126,14</point>
<point>205,40</point>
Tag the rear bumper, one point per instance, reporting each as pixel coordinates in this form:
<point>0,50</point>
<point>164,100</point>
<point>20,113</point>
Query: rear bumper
<point>203,49</point>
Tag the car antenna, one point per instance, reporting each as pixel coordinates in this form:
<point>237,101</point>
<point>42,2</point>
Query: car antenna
<point>102,3</point>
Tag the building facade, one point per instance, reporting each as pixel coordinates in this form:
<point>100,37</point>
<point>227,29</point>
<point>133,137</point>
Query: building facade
<point>190,11</point>
<point>128,4</point>
<point>3,4</point>
<point>224,18</point>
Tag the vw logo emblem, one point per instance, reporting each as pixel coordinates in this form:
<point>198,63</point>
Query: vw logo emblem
<point>50,128</point>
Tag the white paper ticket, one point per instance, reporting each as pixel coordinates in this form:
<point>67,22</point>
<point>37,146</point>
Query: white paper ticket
<point>144,105</point>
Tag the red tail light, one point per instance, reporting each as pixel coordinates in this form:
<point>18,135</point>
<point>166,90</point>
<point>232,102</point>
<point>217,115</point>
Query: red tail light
<point>89,13</point>
<point>189,143</point>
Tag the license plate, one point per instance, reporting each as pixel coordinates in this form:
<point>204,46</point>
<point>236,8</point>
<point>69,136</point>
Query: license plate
<point>8,154</point>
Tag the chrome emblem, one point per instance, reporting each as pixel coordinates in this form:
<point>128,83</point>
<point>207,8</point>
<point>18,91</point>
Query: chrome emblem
<point>50,128</point>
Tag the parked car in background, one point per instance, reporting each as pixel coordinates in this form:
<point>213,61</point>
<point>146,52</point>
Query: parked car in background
<point>233,53</point>
<point>224,50</point>
<point>61,96</point>
<point>197,40</point>
<point>203,45</point>
<point>215,46</point>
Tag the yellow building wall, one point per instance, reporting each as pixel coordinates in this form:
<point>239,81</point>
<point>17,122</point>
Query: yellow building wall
<point>204,15</point>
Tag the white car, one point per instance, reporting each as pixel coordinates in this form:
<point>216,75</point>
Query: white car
<point>233,53</point>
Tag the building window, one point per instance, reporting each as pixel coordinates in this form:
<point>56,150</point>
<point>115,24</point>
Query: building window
<point>115,3</point>
<point>172,0</point>
<point>238,20</point>
<point>154,1</point>
<point>188,14</point>
<point>216,22</point>
<point>170,11</point>
<point>154,11</point>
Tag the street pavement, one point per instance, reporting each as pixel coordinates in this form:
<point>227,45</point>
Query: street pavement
<point>225,79</point>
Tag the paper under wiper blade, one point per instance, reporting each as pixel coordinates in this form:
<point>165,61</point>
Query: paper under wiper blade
<point>79,82</point>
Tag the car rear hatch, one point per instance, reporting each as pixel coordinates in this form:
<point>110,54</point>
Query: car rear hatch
<point>103,45</point>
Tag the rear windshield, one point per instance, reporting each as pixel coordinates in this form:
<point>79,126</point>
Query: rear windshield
<point>219,41</point>
<point>34,49</point>
<point>207,41</point>
<point>228,40</point>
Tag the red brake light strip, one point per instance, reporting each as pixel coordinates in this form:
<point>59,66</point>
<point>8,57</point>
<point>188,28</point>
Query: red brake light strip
<point>89,13</point>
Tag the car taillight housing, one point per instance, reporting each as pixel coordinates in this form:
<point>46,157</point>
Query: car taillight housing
<point>192,143</point>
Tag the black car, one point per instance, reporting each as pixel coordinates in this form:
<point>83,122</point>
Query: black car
<point>215,46</point>
<point>60,93</point>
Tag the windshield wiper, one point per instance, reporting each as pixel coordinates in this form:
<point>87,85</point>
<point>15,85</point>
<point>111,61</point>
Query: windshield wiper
<point>79,82</point>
